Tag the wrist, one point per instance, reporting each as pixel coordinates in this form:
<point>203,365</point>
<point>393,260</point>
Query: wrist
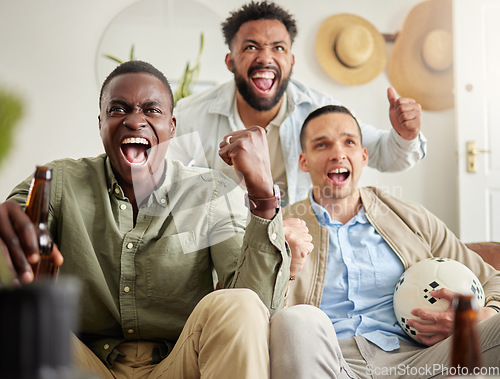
<point>272,202</point>
<point>497,309</point>
<point>262,191</point>
<point>486,312</point>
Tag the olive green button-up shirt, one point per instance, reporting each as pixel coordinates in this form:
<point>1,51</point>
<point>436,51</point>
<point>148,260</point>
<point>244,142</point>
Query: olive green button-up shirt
<point>142,282</point>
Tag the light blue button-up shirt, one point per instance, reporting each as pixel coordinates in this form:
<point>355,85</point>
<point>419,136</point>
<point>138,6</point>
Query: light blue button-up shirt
<point>361,275</point>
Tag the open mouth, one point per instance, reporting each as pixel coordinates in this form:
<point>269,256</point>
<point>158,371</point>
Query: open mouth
<point>263,80</point>
<point>339,175</point>
<point>136,150</point>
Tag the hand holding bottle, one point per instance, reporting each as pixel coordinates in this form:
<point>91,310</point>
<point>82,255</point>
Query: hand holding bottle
<point>24,236</point>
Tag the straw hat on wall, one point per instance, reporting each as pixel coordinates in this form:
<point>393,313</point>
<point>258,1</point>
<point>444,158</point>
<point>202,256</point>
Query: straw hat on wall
<point>350,49</point>
<point>421,62</point>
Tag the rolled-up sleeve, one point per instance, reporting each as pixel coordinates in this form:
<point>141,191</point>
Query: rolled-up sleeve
<point>264,264</point>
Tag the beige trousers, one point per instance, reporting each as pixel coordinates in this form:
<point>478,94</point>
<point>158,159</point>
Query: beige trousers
<point>226,336</point>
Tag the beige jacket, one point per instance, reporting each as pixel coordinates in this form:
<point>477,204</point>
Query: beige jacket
<point>409,229</point>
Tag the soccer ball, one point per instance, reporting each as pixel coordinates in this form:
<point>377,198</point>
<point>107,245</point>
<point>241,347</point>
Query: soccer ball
<point>413,288</point>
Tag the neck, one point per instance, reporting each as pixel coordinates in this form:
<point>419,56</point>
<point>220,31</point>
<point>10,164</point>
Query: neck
<point>341,209</point>
<point>138,192</point>
<point>251,117</point>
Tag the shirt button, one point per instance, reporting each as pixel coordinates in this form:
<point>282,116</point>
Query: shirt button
<point>123,207</point>
<point>279,273</point>
<point>126,289</point>
<point>130,245</point>
<point>106,347</point>
<point>130,331</point>
<point>273,236</point>
<point>163,201</point>
<point>117,190</point>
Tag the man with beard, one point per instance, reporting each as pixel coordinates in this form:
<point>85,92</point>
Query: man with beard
<point>144,234</point>
<point>260,38</point>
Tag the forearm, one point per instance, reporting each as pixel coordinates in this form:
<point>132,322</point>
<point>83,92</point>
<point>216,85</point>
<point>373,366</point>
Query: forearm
<point>485,313</point>
<point>390,152</point>
<point>264,265</point>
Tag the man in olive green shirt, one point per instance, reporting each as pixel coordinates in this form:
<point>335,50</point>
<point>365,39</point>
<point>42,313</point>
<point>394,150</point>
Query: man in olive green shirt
<point>144,234</point>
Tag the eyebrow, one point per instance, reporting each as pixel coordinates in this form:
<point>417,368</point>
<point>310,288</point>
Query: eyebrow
<point>119,102</point>
<point>152,103</point>
<point>259,44</point>
<point>322,138</point>
<point>125,104</point>
<point>352,135</point>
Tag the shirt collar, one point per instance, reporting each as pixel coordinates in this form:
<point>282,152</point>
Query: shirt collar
<point>324,218</point>
<point>280,117</point>
<point>113,186</point>
<point>159,195</point>
<point>223,97</point>
<point>276,121</point>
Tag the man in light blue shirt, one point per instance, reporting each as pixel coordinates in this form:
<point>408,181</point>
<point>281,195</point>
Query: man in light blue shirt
<point>359,287</point>
<point>364,239</point>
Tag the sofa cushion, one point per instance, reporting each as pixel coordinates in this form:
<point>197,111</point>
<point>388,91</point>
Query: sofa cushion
<point>490,251</point>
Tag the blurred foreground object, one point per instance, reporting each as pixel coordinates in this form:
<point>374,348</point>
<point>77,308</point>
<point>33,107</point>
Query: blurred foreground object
<point>465,349</point>
<point>35,325</point>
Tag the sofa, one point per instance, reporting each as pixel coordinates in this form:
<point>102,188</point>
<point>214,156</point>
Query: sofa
<point>489,251</point>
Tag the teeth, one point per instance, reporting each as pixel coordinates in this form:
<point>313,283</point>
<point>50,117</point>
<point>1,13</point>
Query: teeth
<point>139,140</point>
<point>264,75</point>
<point>339,171</point>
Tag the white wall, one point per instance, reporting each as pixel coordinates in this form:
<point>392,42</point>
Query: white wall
<point>48,55</point>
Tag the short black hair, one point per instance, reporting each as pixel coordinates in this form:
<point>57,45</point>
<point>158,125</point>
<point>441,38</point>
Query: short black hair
<point>133,67</point>
<point>324,110</point>
<point>254,11</point>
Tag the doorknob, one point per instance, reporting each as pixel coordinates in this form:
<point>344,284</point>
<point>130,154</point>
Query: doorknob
<point>472,151</point>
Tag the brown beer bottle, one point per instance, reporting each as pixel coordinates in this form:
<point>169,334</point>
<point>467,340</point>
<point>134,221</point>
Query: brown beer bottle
<point>37,208</point>
<point>465,351</point>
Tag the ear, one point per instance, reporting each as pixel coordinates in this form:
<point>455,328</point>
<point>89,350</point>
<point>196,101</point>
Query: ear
<point>303,165</point>
<point>99,119</point>
<point>173,125</point>
<point>293,60</point>
<point>365,156</point>
<point>229,62</point>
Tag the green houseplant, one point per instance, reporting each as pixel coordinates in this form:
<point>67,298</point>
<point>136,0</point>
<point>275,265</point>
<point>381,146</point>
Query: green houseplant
<point>11,111</point>
<point>188,78</point>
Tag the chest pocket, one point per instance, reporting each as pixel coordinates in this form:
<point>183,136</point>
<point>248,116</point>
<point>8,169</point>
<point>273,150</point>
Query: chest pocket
<point>176,267</point>
<point>387,268</point>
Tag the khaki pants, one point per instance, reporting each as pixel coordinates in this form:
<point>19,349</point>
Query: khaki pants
<point>226,336</point>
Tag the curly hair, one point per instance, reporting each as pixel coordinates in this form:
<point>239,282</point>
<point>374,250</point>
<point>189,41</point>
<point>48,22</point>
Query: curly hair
<point>132,67</point>
<point>257,11</point>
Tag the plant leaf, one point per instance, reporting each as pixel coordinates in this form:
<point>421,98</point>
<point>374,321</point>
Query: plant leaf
<point>11,111</point>
<point>119,61</point>
<point>189,76</point>
<point>131,56</point>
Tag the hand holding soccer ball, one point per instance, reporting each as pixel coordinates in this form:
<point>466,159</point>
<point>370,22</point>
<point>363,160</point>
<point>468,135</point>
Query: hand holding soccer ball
<point>424,294</point>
